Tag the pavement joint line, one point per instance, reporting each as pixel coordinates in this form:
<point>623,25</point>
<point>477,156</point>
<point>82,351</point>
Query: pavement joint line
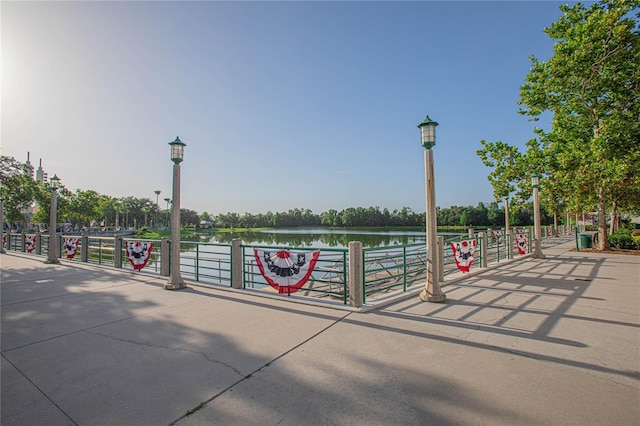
<point>253,373</point>
<point>40,390</point>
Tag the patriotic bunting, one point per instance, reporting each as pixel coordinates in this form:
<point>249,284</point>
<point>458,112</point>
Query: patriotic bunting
<point>29,242</point>
<point>463,254</point>
<point>285,271</point>
<point>521,243</point>
<point>70,246</point>
<point>138,253</point>
<point>497,236</point>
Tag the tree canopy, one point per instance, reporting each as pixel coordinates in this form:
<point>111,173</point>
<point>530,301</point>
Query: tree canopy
<point>591,86</point>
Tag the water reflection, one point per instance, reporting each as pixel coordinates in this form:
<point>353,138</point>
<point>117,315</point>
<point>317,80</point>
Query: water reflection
<point>313,238</point>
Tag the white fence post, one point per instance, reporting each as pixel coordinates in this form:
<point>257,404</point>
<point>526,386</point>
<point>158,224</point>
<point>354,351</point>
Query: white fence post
<point>355,274</point>
<point>440,244</point>
<point>237,269</point>
<point>483,249</point>
<point>164,257</point>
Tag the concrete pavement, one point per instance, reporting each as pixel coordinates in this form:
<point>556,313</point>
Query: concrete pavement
<point>552,341</point>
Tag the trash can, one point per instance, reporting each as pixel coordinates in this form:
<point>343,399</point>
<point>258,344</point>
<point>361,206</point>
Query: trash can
<point>585,240</point>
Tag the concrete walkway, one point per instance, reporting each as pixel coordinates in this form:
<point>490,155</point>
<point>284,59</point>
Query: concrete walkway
<point>554,341</point>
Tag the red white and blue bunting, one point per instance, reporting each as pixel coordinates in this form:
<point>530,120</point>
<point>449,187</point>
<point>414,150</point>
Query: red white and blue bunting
<point>463,254</point>
<point>138,253</point>
<point>70,246</point>
<point>29,242</point>
<point>497,236</point>
<point>521,243</point>
<point>285,271</point>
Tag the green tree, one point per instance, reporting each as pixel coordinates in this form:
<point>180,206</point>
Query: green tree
<point>84,206</point>
<point>189,217</point>
<point>17,188</point>
<point>506,161</point>
<point>591,85</point>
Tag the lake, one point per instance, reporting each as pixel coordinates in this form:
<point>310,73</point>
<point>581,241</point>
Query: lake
<point>318,237</point>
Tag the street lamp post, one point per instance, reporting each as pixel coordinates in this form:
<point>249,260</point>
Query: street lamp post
<point>2,250</point>
<point>432,291</point>
<point>537,249</point>
<point>167,200</point>
<point>157,192</point>
<point>175,279</point>
<point>52,255</point>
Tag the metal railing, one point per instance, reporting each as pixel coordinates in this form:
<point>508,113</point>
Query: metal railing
<point>101,251</point>
<point>389,268</point>
<point>384,269</point>
<point>328,279</point>
<point>208,263</point>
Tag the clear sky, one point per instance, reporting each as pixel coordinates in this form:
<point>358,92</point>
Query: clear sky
<point>281,104</point>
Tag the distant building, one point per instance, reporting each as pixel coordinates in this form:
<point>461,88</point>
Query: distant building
<point>206,224</point>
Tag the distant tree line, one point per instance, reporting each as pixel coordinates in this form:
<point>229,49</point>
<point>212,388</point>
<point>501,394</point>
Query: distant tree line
<point>491,215</point>
<point>28,201</point>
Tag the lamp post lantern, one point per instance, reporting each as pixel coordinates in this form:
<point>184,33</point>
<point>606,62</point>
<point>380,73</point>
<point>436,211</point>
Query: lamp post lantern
<point>432,291</point>
<point>52,255</point>
<point>537,249</point>
<point>175,279</point>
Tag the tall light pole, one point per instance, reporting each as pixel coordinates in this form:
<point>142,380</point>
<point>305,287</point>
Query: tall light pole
<point>432,291</point>
<point>52,256</point>
<point>537,249</point>
<point>145,210</point>
<point>175,279</point>
<point>2,250</point>
<point>167,200</point>
<point>157,192</point>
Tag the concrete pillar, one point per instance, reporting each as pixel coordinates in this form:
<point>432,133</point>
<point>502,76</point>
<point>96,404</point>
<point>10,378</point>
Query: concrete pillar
<point>471,234</point>
<point>440,243</point>
<point>38,243</point>
<point>117,251</point>
<point>2,234</point>
<point>354,281</point>
<point>483,248</point>
<point>164,257</point>
<point>84,247</point>
<point>237,269</point>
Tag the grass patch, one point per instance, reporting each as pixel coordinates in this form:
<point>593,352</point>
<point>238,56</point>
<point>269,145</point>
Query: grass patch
<point>155,234</point>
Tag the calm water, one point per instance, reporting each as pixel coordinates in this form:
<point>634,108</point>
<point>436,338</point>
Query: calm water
<point>318,237</point>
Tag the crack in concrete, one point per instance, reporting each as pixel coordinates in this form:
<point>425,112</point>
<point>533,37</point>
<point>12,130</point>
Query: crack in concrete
<point>203,354</point>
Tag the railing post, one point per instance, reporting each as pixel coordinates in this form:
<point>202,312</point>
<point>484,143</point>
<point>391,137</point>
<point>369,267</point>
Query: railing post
<point>164,257</point>
<point>117,251</point>
<point>38,243</point>
<point>84,247</point>
<point>507,238</point>
<point>355,284</point>
<point>483,249</point>
<point>237,268</point>
<point>440,244</point>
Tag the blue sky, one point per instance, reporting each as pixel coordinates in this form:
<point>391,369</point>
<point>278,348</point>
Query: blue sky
<point>281,104</point>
